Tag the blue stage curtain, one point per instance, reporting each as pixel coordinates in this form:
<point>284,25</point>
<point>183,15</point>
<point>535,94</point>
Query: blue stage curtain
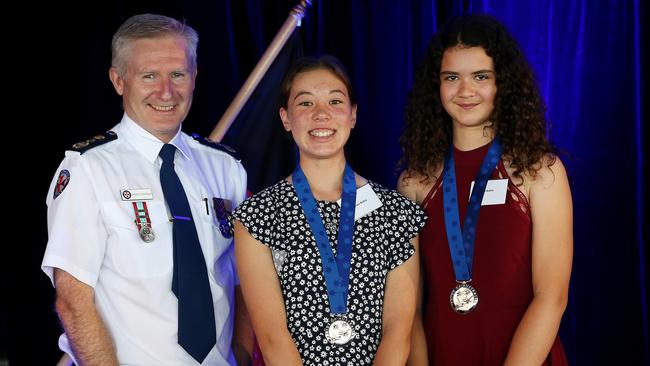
<point>589,57</point>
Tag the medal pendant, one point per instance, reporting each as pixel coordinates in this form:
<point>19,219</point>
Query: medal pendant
<point>146,233</point>
<point>340,331</point>
<point>463,298</point>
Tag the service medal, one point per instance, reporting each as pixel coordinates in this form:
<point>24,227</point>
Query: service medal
<point>463,298</point>
<point>339,332</point>
<point>146,233</point>
<point>142,221</point>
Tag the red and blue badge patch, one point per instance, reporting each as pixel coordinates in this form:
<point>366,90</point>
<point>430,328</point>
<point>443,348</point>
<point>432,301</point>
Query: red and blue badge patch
<point>61,182</point>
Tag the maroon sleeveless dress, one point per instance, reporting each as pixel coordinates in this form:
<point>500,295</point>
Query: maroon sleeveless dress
<point>501,274</point>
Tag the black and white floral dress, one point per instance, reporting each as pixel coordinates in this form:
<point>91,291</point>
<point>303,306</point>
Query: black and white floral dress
<point>381,242</point>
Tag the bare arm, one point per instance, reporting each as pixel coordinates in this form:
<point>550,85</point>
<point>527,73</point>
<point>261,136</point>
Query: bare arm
<point>243,336</point>
<point>552,252</point>
<point>418,356</point>
<point>75,304</point>
<point>263,296</point>
<point>399,310</point>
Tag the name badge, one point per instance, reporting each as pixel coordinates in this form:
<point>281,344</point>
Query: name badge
<point>136,194</point>
<point>367,201</point>
<point>495,192</point>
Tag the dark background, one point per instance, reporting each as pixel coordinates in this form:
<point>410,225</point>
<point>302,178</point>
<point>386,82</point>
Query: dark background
<point>589,57</point>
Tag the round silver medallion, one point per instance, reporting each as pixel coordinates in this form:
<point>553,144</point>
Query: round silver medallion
<point>463,298</point>
<point>146,233</point>
<point>339,332</point>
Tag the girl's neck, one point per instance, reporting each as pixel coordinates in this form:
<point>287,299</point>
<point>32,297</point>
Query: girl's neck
<point>325,177</point>
<point>470,138</point>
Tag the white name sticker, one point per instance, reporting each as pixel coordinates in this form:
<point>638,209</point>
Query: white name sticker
<point>367,201</point>
<point>495,192</point>
<point>136,194</point>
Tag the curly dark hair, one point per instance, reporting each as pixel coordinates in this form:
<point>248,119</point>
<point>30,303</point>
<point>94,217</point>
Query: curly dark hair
<point>518,116</point>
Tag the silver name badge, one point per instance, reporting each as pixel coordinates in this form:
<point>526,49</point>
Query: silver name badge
<point>136,194</point>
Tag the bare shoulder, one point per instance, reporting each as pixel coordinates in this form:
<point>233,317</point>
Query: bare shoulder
<point>360,181</point>
<point>549,181</point>
<point>550,172</point>
<point>415,186</point>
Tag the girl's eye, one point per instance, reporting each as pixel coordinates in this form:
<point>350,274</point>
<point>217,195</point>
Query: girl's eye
<point>305,103</point>
<point>451,78</point>
<point>336,101</point>
<point>482,77</point>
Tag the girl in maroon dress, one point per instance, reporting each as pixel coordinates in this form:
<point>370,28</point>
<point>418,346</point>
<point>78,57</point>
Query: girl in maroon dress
<point>474,92</point>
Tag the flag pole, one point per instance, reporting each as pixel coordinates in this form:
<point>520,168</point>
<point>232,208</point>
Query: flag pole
<point>244,93</point>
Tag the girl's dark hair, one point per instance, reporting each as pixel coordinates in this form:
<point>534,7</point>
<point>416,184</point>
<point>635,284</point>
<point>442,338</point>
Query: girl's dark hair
<point>305,64</point>
<point>518,116</point>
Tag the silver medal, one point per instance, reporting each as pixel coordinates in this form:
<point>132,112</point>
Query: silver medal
<point>339,332</point>
<point>463,298</point>
<point>146,233</point>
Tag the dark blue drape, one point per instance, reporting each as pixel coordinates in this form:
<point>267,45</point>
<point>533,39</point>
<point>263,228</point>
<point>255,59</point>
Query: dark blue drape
<point>589,59</point>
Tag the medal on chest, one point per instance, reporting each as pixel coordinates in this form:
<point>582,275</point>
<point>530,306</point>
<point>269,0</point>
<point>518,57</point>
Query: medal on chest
<point>340,331</point>
<point>336,269</point>
<point>464,297</point>
<point>143,222</point>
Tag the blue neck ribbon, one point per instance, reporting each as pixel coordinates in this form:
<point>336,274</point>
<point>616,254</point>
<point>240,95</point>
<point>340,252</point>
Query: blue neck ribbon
<point>461,243</point>
<point>336,269</point>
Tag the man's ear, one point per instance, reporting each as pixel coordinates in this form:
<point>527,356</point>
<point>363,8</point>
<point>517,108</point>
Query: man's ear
<point>116,79</point>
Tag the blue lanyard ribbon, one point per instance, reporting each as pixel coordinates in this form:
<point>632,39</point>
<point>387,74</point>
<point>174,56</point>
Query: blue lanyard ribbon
<point>461,244</point>
<point>336,269</point>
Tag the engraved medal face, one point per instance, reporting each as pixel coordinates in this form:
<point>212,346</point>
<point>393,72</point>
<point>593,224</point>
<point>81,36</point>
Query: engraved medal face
<point>339,332</point>
<point>146,233</point>
<point>463,298</point>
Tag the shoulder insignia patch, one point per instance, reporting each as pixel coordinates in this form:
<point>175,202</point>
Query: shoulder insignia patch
<point>61,182</point>
<point>84,146</point>
<point>215,145</point>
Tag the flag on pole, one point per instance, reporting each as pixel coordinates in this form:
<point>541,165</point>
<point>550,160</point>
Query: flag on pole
<point>266,149</point>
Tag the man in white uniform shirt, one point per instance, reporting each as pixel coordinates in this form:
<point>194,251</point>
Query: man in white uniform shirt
<point>111,251</point>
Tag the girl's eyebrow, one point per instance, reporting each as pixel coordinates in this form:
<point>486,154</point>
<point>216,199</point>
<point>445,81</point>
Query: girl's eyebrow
<point>473,73</point>
<point>309,93</point>
<point>302,93</point>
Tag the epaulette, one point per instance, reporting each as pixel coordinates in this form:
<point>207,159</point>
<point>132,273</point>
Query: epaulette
<point>84,146</point>
<point>216,145</point>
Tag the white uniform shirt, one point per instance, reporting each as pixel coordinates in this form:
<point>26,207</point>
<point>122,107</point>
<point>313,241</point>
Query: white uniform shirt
<point>93,236</point>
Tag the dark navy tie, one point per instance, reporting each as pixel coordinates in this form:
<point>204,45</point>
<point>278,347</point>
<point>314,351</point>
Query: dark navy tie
<point>190,284</point>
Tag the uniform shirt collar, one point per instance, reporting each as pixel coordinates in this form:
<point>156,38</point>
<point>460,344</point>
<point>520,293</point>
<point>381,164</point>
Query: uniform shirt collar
<point>146,143</point>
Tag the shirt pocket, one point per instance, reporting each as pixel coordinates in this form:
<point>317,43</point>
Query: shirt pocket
<point>127,252</point>
<point>217,250</point>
